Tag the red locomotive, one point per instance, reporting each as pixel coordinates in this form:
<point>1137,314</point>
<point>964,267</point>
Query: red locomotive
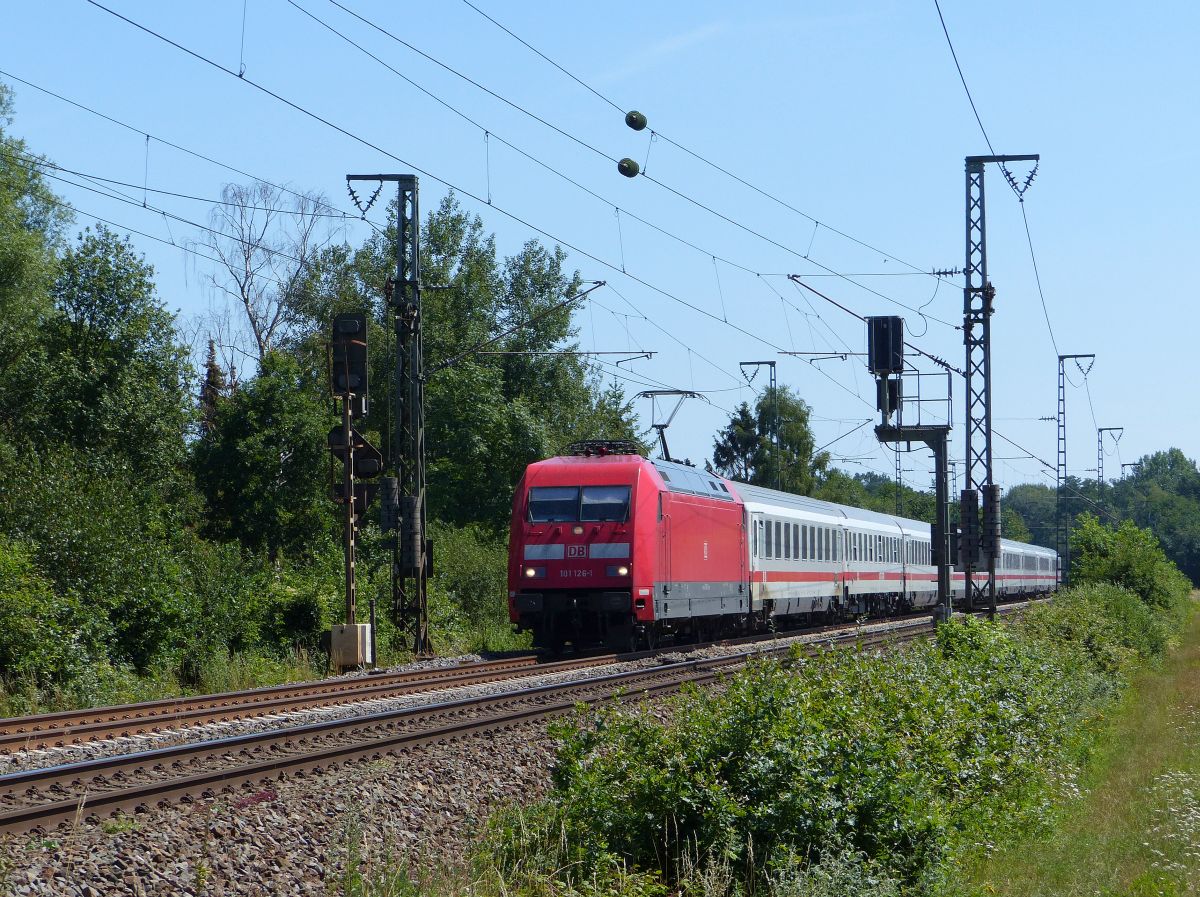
<point>610,548</point>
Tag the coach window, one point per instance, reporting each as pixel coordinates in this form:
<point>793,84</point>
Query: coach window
<point>787,541</point>
<point>796,541</point>
<point>828,544</point>
<point>778,539</point>
<point>770,542</point>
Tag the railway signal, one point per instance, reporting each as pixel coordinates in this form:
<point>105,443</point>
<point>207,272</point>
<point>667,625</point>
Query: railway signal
<point>351,644</point>
<point>885,360</point>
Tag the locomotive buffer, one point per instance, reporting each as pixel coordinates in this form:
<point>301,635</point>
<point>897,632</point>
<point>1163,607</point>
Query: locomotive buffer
<point>885,360</point>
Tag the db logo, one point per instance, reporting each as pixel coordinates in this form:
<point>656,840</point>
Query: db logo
<point>576,551</point>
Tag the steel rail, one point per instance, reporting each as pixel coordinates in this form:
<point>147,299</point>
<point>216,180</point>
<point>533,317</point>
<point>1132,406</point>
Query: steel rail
<point>508,709</point>
<point>65,728</point>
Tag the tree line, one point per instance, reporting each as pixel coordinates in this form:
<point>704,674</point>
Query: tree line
<point>165,484</point>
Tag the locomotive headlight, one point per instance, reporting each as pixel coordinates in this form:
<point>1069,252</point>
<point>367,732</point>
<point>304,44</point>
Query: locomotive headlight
<point>615,570</point>
<point>535,572</point>
<point>578,530</point>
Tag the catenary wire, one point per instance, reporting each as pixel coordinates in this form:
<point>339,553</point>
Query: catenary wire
<point>662,185</point>
<point>163,141</point>
<point>762,192</point>
<point>470,194</point>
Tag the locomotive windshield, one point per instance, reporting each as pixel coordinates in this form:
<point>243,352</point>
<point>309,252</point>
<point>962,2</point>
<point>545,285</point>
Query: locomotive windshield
<point>573,504</point>
<point>605,503</point>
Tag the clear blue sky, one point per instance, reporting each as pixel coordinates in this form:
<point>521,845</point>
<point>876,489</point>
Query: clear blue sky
<point>852,113</point>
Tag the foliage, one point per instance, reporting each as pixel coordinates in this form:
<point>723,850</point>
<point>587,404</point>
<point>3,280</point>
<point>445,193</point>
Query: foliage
<point>1129,557</point>
<point>31,224</point>
<point>262,463</point>
<point>746,449</point>
<point>863,767</point>
<point>487,415</point>
<point>115,380</point>
<point>34,643</point>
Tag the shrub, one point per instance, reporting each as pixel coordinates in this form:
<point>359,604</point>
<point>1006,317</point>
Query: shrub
<point>892,755</point>
<point>847,772</point>
<point>36,643</point>
<point>1112,625</point>
<point>1129,557</point>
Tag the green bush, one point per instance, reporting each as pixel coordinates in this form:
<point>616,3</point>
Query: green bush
<point>847,767</point>
<point>1129,557</point>
<point>891,755</point>
<point>1112,625</point>
<point>36,642</point>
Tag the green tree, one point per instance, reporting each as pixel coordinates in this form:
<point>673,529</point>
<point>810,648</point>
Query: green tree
<point>1035,504</point>
<point>495,400</point>
<point>262,466</point>
<point>1129,557</point>
<point>31,226</point>
<point>746,448</point>
<point>115,380</point>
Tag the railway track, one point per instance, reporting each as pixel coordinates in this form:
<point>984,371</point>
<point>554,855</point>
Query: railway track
<point>46,798</point>
<point>67,728</point>
<point>80,727</point>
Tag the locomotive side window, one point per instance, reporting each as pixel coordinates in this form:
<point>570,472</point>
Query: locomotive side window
<point>605,504</point>
<point>550,504</point>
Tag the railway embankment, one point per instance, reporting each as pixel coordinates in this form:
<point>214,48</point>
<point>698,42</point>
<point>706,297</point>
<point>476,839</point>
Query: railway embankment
<point>873,773</point>
<point>1135,827</point>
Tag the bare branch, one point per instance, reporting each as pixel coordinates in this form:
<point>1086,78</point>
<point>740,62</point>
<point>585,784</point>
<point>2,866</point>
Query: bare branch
<point>265,239</point>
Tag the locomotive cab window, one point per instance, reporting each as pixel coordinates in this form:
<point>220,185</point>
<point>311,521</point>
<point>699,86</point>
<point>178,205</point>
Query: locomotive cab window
<point>604,504</point>
<point>552,504</point>
<point>573,504</point>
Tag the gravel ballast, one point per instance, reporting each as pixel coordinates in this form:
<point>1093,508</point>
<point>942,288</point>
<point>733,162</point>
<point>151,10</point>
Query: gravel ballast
<point>294,836</point>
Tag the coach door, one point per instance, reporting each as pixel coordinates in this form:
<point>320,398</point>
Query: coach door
<point>664,540</point>
<point>742,572</point>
